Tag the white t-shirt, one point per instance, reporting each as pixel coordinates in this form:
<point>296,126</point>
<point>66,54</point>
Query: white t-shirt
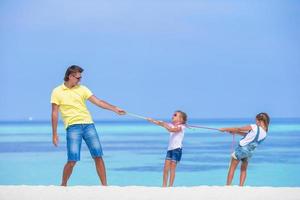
<point>176,139</point>
<point>251,135</point>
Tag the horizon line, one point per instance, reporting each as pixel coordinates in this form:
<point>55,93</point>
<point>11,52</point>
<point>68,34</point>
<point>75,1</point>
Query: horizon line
<point>275,119</point>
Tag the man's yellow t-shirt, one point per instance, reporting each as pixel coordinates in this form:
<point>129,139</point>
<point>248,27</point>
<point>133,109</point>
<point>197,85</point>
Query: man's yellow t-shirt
<point>72,104</point>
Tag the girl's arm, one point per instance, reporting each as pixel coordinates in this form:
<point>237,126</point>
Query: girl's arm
<point>175,129</point>
<point>237,130</point>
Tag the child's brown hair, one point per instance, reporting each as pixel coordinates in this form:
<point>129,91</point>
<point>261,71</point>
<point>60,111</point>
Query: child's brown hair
<point>265,118</point>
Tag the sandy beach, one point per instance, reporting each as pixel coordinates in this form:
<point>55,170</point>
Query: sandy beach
<point>147,193</point>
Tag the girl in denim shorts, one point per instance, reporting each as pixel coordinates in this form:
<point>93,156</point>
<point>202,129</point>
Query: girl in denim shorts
<point>176,130</point>
<point>253,134</point>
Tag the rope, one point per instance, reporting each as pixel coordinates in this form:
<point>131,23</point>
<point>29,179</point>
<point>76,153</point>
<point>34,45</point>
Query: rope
<point>202,127</point>
<point>209,128</point>
<point>189,126</point>
<point>137,116</point>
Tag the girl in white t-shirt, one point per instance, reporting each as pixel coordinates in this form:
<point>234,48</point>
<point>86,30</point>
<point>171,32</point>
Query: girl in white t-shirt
<point>253,134</point>
<point>174,153</point>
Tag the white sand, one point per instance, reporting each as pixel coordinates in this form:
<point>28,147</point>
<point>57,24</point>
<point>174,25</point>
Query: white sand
<point>143,193</point>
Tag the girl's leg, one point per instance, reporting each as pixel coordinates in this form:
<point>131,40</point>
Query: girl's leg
<point>234,163</point>
<point>166,172</point>
<point>172,173</point>
<point>243,172</point>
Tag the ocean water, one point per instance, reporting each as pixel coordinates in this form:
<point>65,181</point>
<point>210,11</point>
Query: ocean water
<point>134,153</point>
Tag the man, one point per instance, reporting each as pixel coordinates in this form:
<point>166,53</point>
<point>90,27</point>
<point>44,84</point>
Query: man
<point>70,99</point>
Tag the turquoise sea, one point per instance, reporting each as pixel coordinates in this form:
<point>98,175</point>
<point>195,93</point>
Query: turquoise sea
<point>134,153</point>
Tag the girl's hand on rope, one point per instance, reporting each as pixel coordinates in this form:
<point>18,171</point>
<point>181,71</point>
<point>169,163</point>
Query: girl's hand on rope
<point>222,129</point>
<point>150,119</point>
<point>226,130</point>
<point>160,123</point>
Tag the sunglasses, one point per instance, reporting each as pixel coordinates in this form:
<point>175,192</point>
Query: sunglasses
<point>78,78</point>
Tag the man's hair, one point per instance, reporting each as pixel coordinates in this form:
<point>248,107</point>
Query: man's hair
<point>183,115</point>
<point>71,70</point>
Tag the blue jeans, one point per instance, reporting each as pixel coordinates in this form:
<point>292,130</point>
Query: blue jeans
<point>87,132</point>
<point>174,155</point>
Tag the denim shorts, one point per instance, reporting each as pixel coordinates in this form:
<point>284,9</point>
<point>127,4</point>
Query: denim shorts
<point>87,132</point>
<point>242,153</point>
<point>174,155</point>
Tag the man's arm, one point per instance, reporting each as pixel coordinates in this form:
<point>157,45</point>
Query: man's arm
<point>54,118</point>
<point>105,105</point>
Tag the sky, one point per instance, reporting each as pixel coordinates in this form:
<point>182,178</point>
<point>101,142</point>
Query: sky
<point>211,59</point>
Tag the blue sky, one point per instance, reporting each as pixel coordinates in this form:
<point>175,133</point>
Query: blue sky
<point>212,59</point>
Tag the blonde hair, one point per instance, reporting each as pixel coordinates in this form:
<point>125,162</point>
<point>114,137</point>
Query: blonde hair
<point>183,116</point>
